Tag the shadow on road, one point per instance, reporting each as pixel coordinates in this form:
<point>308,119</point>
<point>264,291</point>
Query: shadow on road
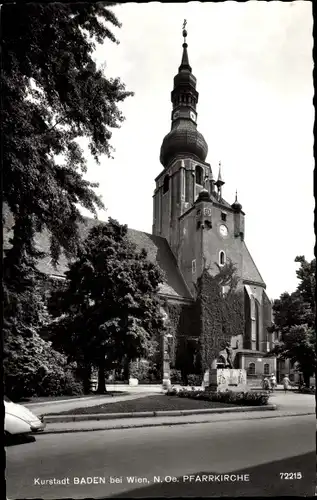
<point>264,481</point>
<point>19,439</point>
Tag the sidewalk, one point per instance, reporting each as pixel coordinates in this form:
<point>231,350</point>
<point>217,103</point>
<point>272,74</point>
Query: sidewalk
<point>292,401</point>
<point>128,423</point>
<point>52,407</point>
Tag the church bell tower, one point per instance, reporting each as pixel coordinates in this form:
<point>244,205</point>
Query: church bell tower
<point>183,154</point>
<point>202,229</point>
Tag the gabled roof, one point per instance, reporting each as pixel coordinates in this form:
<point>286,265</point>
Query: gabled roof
<point>159,251</point>
<point>250,271</point>
<point>156,247</point>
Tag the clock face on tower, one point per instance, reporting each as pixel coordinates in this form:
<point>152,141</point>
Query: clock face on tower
<point>175,115</point>
<point>223,230</point>
<point>193,116</point>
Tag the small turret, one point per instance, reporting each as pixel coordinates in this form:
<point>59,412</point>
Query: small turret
<point>238,218</point>
<point>237,207</point>
<point>204,210</point>
<point>219,183</point>
<point>203,196</point>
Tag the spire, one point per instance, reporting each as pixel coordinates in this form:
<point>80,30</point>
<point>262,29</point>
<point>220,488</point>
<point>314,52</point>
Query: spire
<point>219,183</point>
<point>185,61</point>
<point>184,140</point>
<point>236,205</point>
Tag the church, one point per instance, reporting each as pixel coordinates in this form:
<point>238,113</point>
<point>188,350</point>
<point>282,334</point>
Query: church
<point>200,227</point>
<point>194,227</point>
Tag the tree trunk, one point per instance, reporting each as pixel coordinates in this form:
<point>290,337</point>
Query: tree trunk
<point>126,370</point>
<point>306,377</point>
<point>101,377</point>
<point>84,373</point>
<point>184,375</point>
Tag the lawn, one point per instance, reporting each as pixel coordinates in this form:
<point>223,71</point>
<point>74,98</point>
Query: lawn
<point>148,403</point>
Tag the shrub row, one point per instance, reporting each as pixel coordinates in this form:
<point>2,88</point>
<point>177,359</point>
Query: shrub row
<point>192,379</point>
<point>238,398</point>
<point>146,373</point>
<point>306,390</point>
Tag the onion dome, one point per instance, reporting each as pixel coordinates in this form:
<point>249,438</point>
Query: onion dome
<point>204,196</point>
<point>237,207</point>
<point>184,140</point>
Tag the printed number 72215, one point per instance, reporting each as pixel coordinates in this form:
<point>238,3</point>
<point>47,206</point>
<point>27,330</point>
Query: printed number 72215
<point>291,475</point>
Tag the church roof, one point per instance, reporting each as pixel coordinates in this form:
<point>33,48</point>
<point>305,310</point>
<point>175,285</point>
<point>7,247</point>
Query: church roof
<point>157,249</point>
<point>249,270</point>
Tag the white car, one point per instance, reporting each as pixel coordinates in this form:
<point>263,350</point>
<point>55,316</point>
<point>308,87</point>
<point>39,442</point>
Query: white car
<point>20,420</point>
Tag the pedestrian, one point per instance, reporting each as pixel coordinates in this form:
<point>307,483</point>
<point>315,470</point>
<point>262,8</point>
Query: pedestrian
<point>266,384</point>
<point>286,383</point>
<point>273,381</point>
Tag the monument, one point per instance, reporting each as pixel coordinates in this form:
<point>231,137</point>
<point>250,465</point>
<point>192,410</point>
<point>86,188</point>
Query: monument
<point>223,376</point>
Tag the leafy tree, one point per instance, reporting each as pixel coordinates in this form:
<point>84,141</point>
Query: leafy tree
<point>52,95</point>
<point>298,345</point>
<point>294,320</point>
<point>56,94</point>
<point>289,310</point>
<point>306,274</point>
<point>110,310</point>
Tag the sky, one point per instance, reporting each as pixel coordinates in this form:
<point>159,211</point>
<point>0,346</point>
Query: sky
<point>253,64</point>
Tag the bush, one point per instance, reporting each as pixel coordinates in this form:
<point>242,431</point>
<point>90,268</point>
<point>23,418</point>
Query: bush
<point>306,390</point>
<point>33,368</point>
<point>195,380</point>
<point>60,385</point>
<point>230,397</point>
<point>176,376</point>
<point>145,372</point>
<point>172,392</point>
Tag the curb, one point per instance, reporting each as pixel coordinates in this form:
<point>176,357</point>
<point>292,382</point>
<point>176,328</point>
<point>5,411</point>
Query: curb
<point>168,413</point>
<point>156,424</point>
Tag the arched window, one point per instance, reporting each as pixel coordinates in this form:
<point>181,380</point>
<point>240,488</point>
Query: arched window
<point>266,369</point>
<point>199,172</point>
<point>166,184</point>
<point>222,258</point>
<point>251,369</point>
<point>257,324</point>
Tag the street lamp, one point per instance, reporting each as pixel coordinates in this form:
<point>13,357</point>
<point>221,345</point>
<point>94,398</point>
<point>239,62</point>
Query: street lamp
<point>166,354</point>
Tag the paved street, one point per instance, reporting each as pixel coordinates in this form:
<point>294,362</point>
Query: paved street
<point>262,448</point>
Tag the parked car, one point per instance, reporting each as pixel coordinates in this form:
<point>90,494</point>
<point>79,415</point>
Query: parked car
<point>19,420</point>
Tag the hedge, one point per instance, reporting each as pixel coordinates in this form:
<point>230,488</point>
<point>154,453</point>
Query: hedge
<point>238,398</point>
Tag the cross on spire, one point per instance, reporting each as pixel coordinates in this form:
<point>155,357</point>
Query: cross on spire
<point>184,30</point>
<point>185,62</point>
